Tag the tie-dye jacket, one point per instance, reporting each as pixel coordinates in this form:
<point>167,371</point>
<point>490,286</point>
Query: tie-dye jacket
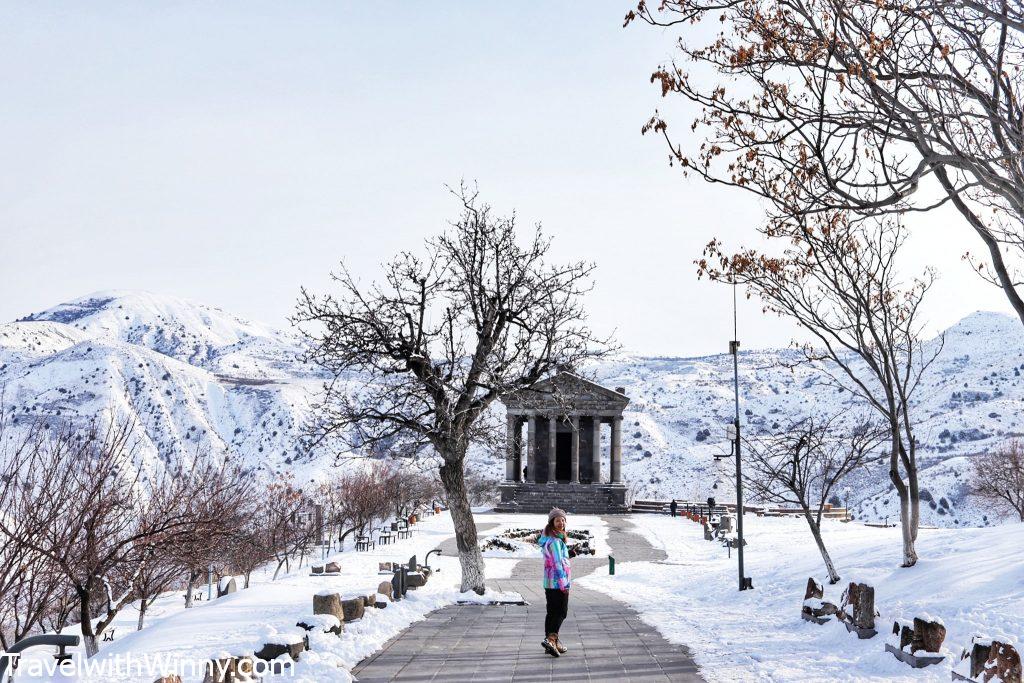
<point>556,562</point>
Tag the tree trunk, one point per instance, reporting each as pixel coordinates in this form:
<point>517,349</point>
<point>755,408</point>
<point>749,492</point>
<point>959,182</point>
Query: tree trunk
<point>833,576</point>
<point>906,513</point>
<point>92,644</point>
<point>247,575</point>
<point>909,553</point>
<point>142,614</point>
<point>915,507</point>
<point>470,558</point>
<point>192,576</point>
<point>913,489</point>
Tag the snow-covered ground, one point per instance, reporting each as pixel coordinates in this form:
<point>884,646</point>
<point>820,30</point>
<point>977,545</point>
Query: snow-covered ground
<point>972,579</point>
<point>239,623</point>
<point>179,640</point>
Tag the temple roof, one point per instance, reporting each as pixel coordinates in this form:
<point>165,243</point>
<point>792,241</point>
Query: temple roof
<point>566,393</point>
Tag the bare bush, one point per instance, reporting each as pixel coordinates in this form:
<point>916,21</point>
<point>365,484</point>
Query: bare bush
<point>998,477</point>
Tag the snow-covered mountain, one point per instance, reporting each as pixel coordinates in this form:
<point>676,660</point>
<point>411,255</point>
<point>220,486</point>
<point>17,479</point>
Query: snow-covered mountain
<point>195,377</point>
<point>968,403</point>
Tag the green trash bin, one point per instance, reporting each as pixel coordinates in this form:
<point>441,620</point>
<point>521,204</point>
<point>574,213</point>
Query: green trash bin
<point>611,565</point>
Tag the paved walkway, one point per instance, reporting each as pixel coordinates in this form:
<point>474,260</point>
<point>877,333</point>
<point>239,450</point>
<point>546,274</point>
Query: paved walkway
<point>607,641</point>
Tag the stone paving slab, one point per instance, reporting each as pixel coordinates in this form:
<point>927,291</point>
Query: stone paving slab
<point>607,640</point>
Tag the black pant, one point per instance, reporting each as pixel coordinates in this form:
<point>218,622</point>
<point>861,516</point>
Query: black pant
<point>558,608</point>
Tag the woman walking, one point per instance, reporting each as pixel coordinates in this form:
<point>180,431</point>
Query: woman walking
<point>556,579</point>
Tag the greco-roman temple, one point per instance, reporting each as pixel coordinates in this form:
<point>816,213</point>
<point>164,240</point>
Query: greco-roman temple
<point>558,461</point>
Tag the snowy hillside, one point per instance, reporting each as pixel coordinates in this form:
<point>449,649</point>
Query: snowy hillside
<point>196,377</point>
<point>967,404</point>
<point>193,377</point>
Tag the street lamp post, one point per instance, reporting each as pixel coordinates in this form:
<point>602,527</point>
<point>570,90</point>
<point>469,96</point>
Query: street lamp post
<point>734,349</point>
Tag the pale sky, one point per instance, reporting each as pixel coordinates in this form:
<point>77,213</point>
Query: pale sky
<point>230,152</point>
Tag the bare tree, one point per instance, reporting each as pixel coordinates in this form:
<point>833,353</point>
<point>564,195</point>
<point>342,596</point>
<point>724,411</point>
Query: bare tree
<point>408,488</point>
<point>27,578</point>
<point>329,497</point>
<point>27,600</point>
<point>358,498</point>
<point>366,496</point>
<point>192,557</point>
<point>95,518</point>
<point>248,546</point>
<point>838,279</point>
<point>869,106</point>
<point>482,490</point>
<point>155,575</point>
<point>440,339</point>
<point>286,535</point>
<point>60,608</point>
<point>998,477</point>
<point>218,503</point>
<point>804,464</point>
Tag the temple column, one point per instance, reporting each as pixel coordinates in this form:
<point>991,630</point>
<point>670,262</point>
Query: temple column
<point>617,450</point>
<point>552,448</point>
<point>510,456</point>
<point>596,476</point>
<point>517,443</point>
<point>531,449</point>
<point>574,476</point>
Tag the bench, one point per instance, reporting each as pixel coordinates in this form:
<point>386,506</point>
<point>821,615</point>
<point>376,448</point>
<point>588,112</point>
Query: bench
<point>365,543</point>
<point>385,537</point>
<point>195,596</point>
<point>403,529</point>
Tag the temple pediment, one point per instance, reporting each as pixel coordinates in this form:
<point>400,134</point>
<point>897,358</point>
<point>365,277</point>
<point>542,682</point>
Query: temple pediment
<point>567,393</point>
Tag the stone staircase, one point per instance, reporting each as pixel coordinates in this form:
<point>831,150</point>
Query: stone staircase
<point>601,499</point>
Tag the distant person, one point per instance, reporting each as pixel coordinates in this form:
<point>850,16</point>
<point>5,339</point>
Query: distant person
<point>557,576</point>
<point>673,506</point>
